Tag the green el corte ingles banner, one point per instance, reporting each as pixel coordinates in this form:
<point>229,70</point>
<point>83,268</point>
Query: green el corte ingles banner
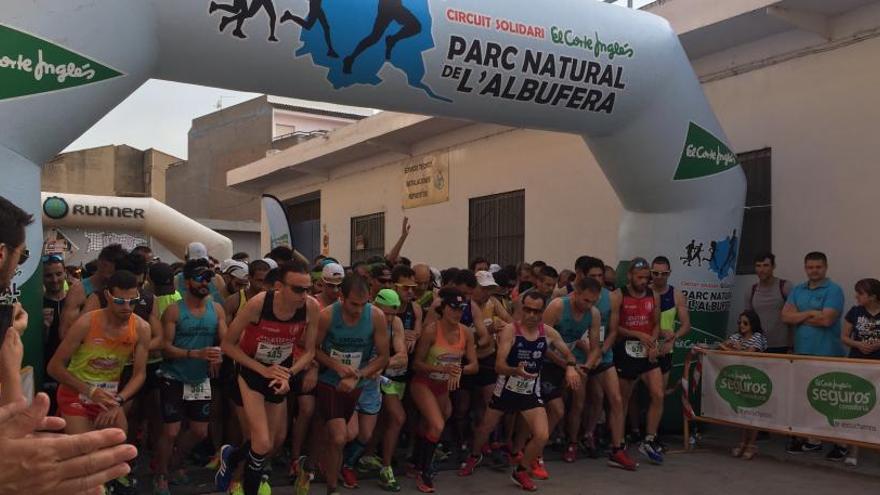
<point>835,399</point>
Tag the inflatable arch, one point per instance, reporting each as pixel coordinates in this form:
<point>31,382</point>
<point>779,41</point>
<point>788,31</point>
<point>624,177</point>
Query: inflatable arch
<point>170,227</point>
<point>619,77</point>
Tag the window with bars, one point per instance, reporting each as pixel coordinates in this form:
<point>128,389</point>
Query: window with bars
<point>367,237</point>
<point>757,230</point>
<point>496,228</point>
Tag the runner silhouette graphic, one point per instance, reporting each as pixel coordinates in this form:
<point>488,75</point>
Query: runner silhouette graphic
<point>242,11</point>
<point>316,14</point>
<point>389,11</point>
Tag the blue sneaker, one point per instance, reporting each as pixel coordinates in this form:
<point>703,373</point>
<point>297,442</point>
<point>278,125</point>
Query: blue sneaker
<point>652,452</point>
<point>223,477</point>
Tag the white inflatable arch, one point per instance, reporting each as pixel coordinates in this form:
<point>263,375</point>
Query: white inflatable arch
<point>616,76</point>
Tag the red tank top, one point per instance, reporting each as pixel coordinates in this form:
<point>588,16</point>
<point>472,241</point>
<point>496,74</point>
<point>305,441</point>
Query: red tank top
<point>637,313</point>
<point>272,341</point>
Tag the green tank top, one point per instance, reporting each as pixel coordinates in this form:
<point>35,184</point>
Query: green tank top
<point>572,330</point>
<point>191,333</point>
<point>350,345</point>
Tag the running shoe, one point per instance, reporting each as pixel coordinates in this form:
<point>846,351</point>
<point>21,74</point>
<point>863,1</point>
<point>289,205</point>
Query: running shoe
<point>387,481</point>
<point>237,488</point>
<point>304,478</point>
<point>811,447</point>
<point>570,453</point>
<point>223,477</point>
<point>160,486</point>
<point>538,471</point>
<point>469,464</point>
<point>622,460</point>
<point>795,446</point>
<point>214,463</point>
<point>522,479</point>
<point>370,463</point>
<point>651,452</point>
<point>851,462</point>
<point>349,478</point>
<point>515,458</point>
<point>425,482</point>
<point>264,488</point>
<point>837,454</point>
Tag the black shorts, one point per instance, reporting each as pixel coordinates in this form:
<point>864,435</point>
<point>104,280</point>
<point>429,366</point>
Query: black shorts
<point>506,400</point>
<point>665,363</point>
<point>175,408</point>
<point>552,382</point>
<point>485,375</point>
<point>151,381</point>
<point>333,404</point>
<point>602,368</point>
<point>629,367</point>
<point>258,383</point>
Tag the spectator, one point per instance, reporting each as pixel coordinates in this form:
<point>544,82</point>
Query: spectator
<point>748,338</point>
<point>767,297</point>
<point>479,264</point>
<point>861,332</point>
<point>814,308</point>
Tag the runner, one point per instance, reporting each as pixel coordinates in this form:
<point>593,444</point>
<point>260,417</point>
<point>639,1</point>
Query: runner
<point>192,328</point>
<point>380,278</point>
<point>579,322</point>
<point>53,305</point>
<point>196,251</point>
<point>522,346</point>
<point>636,350</point>
<point>88,365</point>
<point>673,305</point>
<point>316,14</point>
<point>371,402</point>
<point>273,341</point>
<point>79,293</point>
<point>438,367</point>
<point>604,384</point>
<point>256,278</point>
<point>235,275</point>
<point>424,291</point>
<point>350,331</point>
<point>389,11</point>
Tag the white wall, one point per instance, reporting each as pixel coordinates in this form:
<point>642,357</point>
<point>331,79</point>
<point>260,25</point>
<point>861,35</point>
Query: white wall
<point>570,207</point>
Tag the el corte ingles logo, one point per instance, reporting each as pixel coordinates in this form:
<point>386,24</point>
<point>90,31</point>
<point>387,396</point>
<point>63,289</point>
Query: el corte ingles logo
<point>703,155</point>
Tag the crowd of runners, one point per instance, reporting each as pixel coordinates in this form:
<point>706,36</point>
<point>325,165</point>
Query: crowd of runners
<point>381,369</point>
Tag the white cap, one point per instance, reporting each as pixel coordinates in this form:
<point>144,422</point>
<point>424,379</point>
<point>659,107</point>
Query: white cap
<point>333,272</point>
<point>485,279</point>
<point>272,263</point>
<point>196,251</point>
<point>235,269</point>
<point>493,268</point>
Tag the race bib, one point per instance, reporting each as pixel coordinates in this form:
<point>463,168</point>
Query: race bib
<point>519,385</point>
<point>198,391</point>
<point>352,359</point>
<point>635,349</point>
<point>273,353</point>
<point>602,334</point>
<point>443,360</point>
<point>111,388</point>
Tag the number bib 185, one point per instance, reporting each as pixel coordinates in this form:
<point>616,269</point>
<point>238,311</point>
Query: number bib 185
<point>273,353</point>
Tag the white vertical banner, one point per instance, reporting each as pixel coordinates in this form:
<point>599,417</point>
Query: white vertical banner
<point>750,391</point>
<point>836,399</point>
<point>279,225</point>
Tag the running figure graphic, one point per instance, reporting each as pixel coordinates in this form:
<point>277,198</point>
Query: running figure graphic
<point>242,11</point>
<point>316,14</point>
<point>389,11</point>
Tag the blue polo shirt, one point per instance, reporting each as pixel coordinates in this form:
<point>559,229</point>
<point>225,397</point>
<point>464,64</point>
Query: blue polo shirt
<point>812,340</point>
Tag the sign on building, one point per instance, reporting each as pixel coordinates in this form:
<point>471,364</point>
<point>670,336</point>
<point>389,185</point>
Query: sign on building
<point>426,180</point>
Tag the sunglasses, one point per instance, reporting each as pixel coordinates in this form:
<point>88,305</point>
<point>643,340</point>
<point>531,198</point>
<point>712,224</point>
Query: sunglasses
<point>639,265</point>
<point>298,289</point>
<point>119,301</point>
<point>203,277</point>
<point>660,274</point>
<point>457,306</point>
<point>532,311</point>
<point>24,256</point>
<point>384,280</point>
<point>403,286</point>
<point>332,285</point>
<point>52,257</point>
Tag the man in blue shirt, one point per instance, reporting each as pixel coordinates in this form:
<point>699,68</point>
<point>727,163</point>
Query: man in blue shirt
<point>814,308</point>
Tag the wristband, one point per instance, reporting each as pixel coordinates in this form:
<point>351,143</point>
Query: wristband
<point>120,399</point>
<point>571,363</point>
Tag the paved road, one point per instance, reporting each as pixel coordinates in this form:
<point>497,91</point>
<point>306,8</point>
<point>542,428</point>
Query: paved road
<point>699,473</point>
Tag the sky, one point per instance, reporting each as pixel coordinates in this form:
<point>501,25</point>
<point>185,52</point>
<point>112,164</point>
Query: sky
<point>160,113</point>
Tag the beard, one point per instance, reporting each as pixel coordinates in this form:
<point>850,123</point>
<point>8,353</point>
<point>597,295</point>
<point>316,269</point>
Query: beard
<point>199,292</point>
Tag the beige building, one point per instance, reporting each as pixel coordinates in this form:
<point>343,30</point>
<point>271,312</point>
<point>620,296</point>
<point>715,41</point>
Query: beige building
<point>793,83</point>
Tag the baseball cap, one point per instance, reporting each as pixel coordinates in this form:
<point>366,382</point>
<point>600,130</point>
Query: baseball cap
<point>272,263</point>
<point>333,272</point>
<point>454,298</point>
<point>235,269</point>
<point>485,279</point>
<point>494,268</point>
<point>388,297</point>
<point>196,250</point>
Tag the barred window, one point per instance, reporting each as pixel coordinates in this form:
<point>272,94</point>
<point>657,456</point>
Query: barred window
<point>757,230</point>
<point>367,237</point>
<point>496,228</point>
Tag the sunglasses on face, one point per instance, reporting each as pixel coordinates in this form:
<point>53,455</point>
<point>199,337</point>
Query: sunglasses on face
<point>457,306</point>
<point>532,311</point>
<point>119,301</point>
<point>298,289</point>
<point>640,265</point>
<point>52,257</point>
<point>24,256</point>
<point>203,277</point>
<point>405,287</point>
<point>660,274</point>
